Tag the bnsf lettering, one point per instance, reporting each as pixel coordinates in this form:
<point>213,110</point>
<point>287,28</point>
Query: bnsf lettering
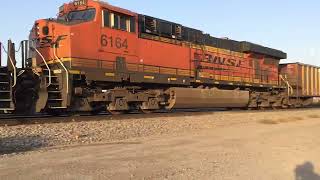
<point>109,41</point>
<point>219,60</point>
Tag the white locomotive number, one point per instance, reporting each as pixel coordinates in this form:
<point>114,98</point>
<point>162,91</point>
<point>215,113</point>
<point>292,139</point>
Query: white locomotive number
<point>80,2</point>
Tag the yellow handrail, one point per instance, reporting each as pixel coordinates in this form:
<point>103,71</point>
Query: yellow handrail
<point>290,89</point>
<point>64,67</point>
<point>45,62</point>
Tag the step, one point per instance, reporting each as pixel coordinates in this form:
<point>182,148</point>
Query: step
<point>5,100</point>
<point>55,99</point>
<point>6,109</point>
<point>58,107</point>
<point>3,69</point>
<point>52,88</point>
<point>54,84</point>
<point>2,88</point>
<point>51,76</point>
<point>55,96</point>
<point>6,95</point>
<point>2,91</point>
<point>54,91</point>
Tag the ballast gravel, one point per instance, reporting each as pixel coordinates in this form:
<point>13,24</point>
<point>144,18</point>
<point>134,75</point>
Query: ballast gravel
<point>25,138</point>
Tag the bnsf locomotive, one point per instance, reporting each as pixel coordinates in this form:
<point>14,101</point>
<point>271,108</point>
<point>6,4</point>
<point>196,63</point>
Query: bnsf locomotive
<point>97,57</point>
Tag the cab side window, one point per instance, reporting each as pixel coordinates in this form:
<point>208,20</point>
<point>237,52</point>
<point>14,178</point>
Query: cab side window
<point>118,21</point>
<point>115,21</point>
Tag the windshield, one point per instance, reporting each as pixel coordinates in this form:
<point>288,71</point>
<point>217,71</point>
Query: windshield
<point>81,16</point>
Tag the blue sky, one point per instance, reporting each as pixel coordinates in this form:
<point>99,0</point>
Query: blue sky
<point>290,25</point>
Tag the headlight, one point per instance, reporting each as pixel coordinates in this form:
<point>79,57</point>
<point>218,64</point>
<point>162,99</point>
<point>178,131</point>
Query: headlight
<point>45,30</point>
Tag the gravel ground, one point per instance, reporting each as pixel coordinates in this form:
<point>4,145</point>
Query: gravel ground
<point>216,145</point>
<point>25,138</point>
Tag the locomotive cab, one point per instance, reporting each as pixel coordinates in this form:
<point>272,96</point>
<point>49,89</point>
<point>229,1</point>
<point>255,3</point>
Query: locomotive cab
<point>118,34</point>
<point>87,31</point>
<point>61,37</point>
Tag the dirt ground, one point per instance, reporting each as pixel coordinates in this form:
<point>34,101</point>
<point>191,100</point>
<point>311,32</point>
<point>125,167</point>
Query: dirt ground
<point>226,145</point>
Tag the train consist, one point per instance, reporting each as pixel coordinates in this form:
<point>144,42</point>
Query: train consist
<point>97,57</point>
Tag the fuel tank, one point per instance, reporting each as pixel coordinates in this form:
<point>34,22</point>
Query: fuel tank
<point>185,98</point>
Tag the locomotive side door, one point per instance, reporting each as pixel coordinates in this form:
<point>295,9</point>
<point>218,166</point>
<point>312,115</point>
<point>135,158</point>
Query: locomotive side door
<point>118,38</point>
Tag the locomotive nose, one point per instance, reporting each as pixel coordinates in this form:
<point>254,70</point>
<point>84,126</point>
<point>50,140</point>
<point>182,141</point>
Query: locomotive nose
<point>44,32</point>
<point>41,29</point>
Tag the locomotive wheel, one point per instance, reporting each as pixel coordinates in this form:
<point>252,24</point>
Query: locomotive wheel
<point>114,112</point>
<point>147,111</point>
<point>118,107</point>
<point>273,107</point>
<point>149,106</point>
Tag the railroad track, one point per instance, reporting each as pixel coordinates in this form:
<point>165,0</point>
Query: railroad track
<point>14,120</point>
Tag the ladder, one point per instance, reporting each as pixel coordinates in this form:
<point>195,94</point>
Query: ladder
<point>54,87</point>
<point>289,87</point>
<point>56,93</point>
<point>6,80</point>
<point>58,90</point>
<point>6,100</point>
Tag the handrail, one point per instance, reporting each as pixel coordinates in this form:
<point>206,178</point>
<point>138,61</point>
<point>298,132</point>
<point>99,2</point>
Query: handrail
<point>290,88</point>
<point>13,66</point>
<point>64,67</point>
<point>45,62</point>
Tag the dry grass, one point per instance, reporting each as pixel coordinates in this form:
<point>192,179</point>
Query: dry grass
<point>269,121</point>
<point>290,119</point>
<point>281,120</point>
<point>314,116</point>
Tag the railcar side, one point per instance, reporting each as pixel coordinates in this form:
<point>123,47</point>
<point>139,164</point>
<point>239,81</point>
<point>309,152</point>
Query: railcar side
<point>304,81</point>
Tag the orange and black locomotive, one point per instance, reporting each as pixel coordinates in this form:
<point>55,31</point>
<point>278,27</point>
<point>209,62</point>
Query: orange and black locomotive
<point>97,57</point>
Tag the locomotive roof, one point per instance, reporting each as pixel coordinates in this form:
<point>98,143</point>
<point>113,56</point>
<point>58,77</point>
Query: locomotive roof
<point>115,8</point>
<point>248,45</point>
<point>299,63</point>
